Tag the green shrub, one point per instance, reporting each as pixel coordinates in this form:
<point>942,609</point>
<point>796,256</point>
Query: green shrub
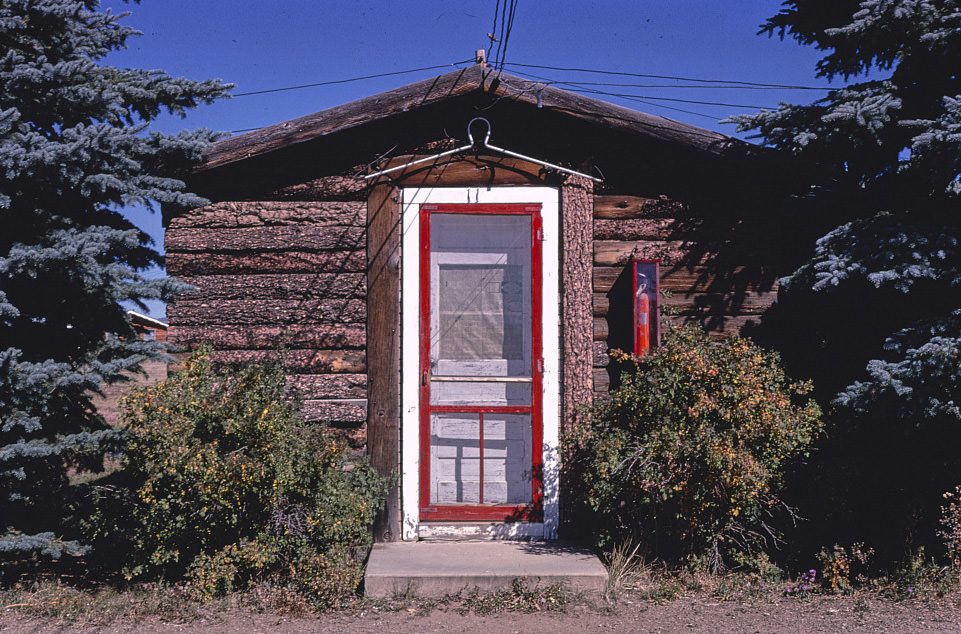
<point>230,486</point>
<point>689,453</point>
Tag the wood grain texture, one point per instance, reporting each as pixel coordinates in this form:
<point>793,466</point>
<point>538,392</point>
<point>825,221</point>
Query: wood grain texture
<point>200,312</point>
<point>329,188</point>
<point>297,238</point>
<point>577,210</point>
<point>601,358</point>
<point>236,215</point>
<point>383,344</point>
<point>600,329</point>
<point>636,229</point>
<point>630,207</point>
<point>620,252</point>
<point>620,207</point>
<point>715,303</point>
<point>300,361</point>
<point>328,386</point>
<point>337,411</point>
<point>601,304</point>
<point>272,337</point>
<point>673,279</point>
<point>186,264</point>
<point>469,171</point>
<point>278,286</point>
<point>601,380</point>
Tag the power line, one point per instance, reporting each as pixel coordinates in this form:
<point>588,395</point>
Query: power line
<point>346,81</point>
<point>697,86</point>
<point>642,98</point>
<point>493,34</point>
<point>507,34</point>
<point>648,76</point>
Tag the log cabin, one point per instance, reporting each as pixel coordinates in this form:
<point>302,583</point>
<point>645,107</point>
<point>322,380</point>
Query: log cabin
<point>446,266</point>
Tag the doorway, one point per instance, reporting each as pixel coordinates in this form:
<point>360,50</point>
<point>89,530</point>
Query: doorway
<point>480,360</point>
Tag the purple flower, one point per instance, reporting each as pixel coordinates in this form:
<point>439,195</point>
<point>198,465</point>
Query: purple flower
<point>804,588</point>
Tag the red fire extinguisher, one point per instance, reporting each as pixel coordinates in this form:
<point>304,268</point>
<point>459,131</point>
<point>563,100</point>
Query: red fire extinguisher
<point>642,318</point>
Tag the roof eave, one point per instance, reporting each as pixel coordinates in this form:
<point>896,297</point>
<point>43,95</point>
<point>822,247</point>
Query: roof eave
<point>452,85</point>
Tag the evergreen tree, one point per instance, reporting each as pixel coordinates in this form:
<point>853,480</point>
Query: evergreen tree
<point>875,314</point>
<point>74,148</point>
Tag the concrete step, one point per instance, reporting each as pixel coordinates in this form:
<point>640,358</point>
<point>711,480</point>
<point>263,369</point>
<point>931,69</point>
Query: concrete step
<point>436,568</point>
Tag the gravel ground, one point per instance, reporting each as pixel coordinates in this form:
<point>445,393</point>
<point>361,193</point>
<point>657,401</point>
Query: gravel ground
<point>699,613</point>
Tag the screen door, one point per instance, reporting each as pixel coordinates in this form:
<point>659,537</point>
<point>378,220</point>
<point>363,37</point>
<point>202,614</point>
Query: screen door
<point>481,362</point>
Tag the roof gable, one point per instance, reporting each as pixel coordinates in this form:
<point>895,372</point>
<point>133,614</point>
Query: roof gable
<point>475,81</point>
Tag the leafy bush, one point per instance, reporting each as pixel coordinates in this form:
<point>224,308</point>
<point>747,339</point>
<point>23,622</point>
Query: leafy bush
<point>689,453</point>
<point>230,486</point>
<point>951,526</point>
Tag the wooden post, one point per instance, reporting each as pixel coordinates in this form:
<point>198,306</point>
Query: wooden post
<point>383,350</point>
<point>577,330</point>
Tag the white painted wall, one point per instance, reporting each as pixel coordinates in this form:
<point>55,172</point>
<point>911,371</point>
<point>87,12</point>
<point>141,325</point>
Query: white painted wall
<point>549,199</point>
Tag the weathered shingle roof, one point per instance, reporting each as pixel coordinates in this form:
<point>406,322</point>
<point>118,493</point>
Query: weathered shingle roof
<point>472,80</point>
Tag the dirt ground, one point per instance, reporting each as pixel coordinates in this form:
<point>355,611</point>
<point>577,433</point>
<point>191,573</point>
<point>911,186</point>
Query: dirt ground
<point>816,614</point>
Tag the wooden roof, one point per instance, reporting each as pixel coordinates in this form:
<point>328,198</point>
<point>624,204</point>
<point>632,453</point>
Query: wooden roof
<point>474,80</point>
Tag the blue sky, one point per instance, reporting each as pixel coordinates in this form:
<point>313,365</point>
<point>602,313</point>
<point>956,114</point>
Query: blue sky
<point>264,46</point>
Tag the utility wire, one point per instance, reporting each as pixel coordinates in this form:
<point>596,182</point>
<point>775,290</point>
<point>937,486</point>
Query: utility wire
<point>346,81</point>
<point>642,98</point>
<point>507,34</point>
<point>493,34</point>
<point>697,86</point>
<point>694,79</point>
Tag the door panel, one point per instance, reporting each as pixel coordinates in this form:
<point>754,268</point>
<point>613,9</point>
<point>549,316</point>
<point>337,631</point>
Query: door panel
<point>480,361</point>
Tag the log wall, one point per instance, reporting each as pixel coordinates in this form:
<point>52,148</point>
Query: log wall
<point>635,226</point>
<point>279,275</point>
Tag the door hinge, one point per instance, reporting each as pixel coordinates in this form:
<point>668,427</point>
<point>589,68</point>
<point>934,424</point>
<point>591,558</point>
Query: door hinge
<point>540,366</point>
<point>540,234</point>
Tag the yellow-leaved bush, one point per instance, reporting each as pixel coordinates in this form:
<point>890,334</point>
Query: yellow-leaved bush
<point>227,485</point>
<point>688,455</point>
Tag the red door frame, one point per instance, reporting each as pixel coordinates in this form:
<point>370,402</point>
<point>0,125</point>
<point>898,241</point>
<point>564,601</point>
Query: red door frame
<point>453,512</point>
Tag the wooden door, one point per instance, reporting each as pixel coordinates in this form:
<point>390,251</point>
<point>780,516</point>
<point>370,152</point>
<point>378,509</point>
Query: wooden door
<point>481,362</point>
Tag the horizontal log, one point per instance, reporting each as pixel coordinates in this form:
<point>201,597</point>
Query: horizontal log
<point>300,361</point>
<point>602,304</point>
<point>183,264</point>
<point>472,170</point>
<point>602,380</point>
<point>600,329</point>
<point>298,238</point>
<point>719,325</point>
<point>674,279</point>
<point>617,252</point>
<point>715,303</point>
<point>272,214</point>
<point>638,229</point>
<point>316,336</point>
<point>605,276</point>
<point>601,358</point>
<point>325,189</point>
<point>326,386</point>
<point>618,207</point>
<point>278,286</point>
<point>335,410</point>
<point>188,312</point>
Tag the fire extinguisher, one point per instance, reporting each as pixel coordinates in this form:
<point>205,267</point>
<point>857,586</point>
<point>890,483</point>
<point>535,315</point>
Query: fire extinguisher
<point>642,318</point>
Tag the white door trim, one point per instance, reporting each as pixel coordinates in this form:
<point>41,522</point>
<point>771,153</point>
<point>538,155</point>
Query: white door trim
<point>412,198</point>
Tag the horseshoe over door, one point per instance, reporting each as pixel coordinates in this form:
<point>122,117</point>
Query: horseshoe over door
<point>480,362</point>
